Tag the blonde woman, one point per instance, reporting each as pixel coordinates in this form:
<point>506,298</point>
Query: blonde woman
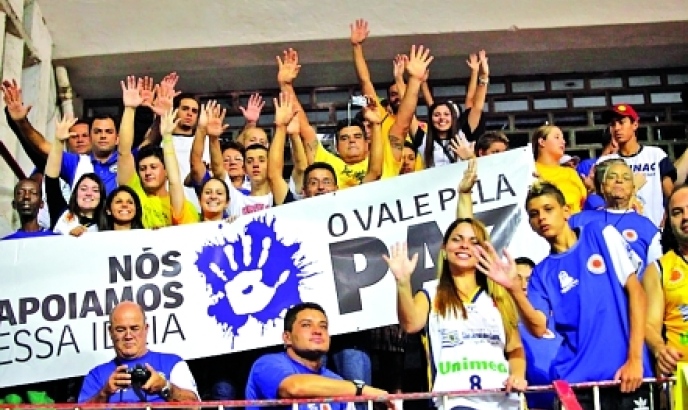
<point>470,321</point>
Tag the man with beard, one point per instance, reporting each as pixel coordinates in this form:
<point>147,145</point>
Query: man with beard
<point>298,372</point>
<point>27,202</point>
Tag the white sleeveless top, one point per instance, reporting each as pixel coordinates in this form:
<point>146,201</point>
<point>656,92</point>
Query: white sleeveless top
<point>468,354</point>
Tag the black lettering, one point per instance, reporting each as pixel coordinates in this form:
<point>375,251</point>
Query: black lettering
<point>344,225</point>
<point>111,299</point>
<point>170,290</point>
<point>107,340</point>
<point>169,330</point>
<point>27,346</point>
<point>94,333</point>
<point>504,221</point>
<point>44,342</point>
<point>4,362</point>
<point>385,215</point>
<point>60,308</point>
<point>400,211</point>
<point>116,268</point>
<point>446,195</point>
<point>169,260</point>
<point>141,263</point>
<point>141,297</point>
<point>72,305</point>
<point>503,186</point>
<point>424,239</point>
<point>6,312</point>
<point>64,343</point>
<point>27,306</point>
<point>420,205</point>
<point>480,193</point>
<point>90,304</point>
<point>349,282</point>
<point>154,326</point>
<point>365,225</point>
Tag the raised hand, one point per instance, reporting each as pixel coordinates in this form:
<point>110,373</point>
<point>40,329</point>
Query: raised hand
<point>484,67</point>
<point>399,263</point>
<point>203,113</point>
<point>170,81</point>
<point>462,148</point>
<point>168,122</point>
<point>399,66</point>
<point>284,110</point>
<point>419,60</point>
<point>131,92</point>
<point>147,91</point>
<point>164,94</point>
<point>473,62</point>
<point>294,127</point>
<point>503,273</point>
<point>62,127</point>
<point>12,95</point>
<point>252,111</point>
<point>470,176</point>
<point>359,31</point>
<point>370,111</point>
<point>216,120</point>
<point>288,66</point>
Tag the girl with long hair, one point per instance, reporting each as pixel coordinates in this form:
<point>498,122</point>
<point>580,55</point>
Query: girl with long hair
<point>122,211</point>
<point>471,322</point>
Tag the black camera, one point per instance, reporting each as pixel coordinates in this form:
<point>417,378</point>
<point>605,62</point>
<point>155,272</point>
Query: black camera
<point>139,375</point>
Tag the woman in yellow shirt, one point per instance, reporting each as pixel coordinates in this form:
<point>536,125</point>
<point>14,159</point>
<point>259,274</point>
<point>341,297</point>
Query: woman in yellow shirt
<point>548,148</point>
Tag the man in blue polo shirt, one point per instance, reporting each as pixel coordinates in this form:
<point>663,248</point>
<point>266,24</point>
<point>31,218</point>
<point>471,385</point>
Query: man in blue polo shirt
<point>136,374</point>
<point>27,202</point>
<point>298,372</point>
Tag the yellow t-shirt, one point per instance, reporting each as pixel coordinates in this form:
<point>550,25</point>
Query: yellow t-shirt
<point>674,273</point>
<point>350,175</point>
<point>157,210</point>
<point>568,182</point>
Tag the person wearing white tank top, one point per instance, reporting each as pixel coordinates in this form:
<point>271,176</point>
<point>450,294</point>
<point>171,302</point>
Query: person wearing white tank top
<point>470,321</point>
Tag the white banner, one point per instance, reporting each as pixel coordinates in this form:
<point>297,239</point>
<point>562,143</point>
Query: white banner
<point>216,288</point>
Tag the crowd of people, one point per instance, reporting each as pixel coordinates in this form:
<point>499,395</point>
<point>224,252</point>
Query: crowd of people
<point>607,303</point>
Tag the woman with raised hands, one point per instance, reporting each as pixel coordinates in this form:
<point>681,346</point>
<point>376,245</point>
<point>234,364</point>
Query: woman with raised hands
<point>81,214</point>
<point>471,322</point>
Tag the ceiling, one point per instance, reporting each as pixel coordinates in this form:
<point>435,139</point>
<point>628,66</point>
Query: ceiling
<point>221,45</point>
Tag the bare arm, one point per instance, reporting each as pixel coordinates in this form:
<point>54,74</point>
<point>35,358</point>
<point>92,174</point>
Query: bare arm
<point>298,153</point>
<point>376,153</point>
<point>18,112</point>
<point>198,168</point>
<point>284,113</point>
<point>464,206</point>
<point>216,126</point>
<point>359,33</point>
<point>126,168</point>
<point>480,94</point>
<point>516,355</point>
<point>474,64</point>
<point>667,186</point>
<point>54,163</point>
<point>312,385</point>
<point>655,309</point>
<point>427,96</point>
<point>177,198</point>
<point>178,394</point>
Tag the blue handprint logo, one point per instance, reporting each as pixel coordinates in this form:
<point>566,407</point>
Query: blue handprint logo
<point>254,275</point>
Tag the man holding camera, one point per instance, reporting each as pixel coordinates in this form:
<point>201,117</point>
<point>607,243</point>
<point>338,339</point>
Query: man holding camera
<point>136,374</point>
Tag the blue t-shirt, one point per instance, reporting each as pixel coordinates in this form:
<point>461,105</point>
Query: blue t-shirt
<point>22,234</point>
<point>107,171</point>
<point>594,202</point>
<point>270,370</point>
<point>539,355</point>
<point>582,291</point>
<point>98,376</point>
<point>640,232</point>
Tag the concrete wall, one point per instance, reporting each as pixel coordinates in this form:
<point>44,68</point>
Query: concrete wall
<point>27,57</point>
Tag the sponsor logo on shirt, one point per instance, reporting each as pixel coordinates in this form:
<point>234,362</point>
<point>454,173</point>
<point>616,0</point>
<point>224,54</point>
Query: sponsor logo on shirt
<point>648,169</point>
<point>469,365</point>
<point>450,338</point>
<point>567,282</point>
<point>249,209</point>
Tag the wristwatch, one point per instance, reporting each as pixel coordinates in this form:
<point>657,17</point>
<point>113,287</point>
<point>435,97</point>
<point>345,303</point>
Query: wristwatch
<point>165,392</point>
<point>360,384</point>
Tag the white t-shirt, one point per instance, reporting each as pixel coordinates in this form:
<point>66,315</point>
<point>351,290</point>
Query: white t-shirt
<point>240,204</point>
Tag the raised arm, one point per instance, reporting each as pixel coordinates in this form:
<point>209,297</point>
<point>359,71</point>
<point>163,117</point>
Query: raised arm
<point>174,179</point>
<point>417,66</point>
<point>288,70</point>
<point>19,112</point>
<point>284,112</point>
<point>131,97</point>
<point>298,152</point>
<point>54,163</point>
<point>412,311</point>
<point>198,168</point>
<point>159,99</point>
<point>474,64</point>
<point>375,157</point>
<point>359,33</point>
<point>479,100</point>
<point>398,69</point>
<point>251,114</point>
<point>216,127</point>
<point>464,206</point>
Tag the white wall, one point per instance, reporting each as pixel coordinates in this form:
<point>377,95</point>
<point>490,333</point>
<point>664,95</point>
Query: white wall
<point>38,89</point>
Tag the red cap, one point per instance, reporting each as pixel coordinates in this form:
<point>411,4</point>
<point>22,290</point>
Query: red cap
<point>620,110</point>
